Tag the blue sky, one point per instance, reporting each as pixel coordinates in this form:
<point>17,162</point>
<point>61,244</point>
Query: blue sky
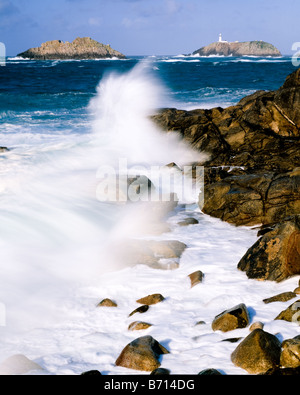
<point>149,27</point>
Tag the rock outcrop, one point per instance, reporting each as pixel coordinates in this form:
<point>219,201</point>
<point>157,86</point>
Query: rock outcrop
<point>253,173</point>
<point>80,48</point>
<point>252,176</point>
<point>254,198</point>
<point>248,48</point>
<point>261,132</point>
<point>276,255</point>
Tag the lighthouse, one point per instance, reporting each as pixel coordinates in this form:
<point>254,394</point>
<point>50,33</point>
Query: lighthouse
<point>221,39</point>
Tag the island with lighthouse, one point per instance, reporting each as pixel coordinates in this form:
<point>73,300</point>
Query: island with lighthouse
<point>236,48</point>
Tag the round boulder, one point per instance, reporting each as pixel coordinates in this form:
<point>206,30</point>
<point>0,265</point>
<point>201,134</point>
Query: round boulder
<point>258,352</point>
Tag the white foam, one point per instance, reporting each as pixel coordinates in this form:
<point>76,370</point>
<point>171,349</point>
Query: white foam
<point>19,58</point>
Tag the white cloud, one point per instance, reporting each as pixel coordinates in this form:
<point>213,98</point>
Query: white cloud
<point>95,21</point>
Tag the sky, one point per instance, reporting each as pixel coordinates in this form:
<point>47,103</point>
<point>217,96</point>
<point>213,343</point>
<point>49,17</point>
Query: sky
<point>149,27</point>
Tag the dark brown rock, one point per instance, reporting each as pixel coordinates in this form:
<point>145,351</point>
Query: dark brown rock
<point>232,339</point>
<point>228,320</point>
<point>196,278</point>
<point>233,202</point>
<point>290,353</point>
<point>141,310</point>
<point>151,299</point>
<point>283,297</point>
<point>138,326</point>
<point>283,372</point>
<point>160,372</point>
<point>200,323</point>
<point>210,372</point>
<point>107,303</point>
<point>142,354</point>
<point>91,373</point>
<point>258,352</point>
<point>276,255</point>
<point>257,198</point>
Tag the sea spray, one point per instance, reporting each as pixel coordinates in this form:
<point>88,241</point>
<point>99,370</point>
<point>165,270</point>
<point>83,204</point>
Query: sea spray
<point>121,117</point>
<point>136,147</point>
<point>55,234</point>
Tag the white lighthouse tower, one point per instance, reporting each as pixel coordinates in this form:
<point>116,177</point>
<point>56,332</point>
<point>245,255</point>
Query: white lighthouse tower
<point>221,39</point>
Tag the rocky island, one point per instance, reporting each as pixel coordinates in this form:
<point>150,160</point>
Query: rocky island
<point>80,48</point>
<point>247,48</point>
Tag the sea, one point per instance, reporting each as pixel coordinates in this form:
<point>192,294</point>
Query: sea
<point>66,124</point>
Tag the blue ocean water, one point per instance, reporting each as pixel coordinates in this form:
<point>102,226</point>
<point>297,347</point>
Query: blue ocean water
<point>52,97</point>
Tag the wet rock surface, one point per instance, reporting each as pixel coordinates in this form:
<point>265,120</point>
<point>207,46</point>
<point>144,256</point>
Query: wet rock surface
<point>142,354</point>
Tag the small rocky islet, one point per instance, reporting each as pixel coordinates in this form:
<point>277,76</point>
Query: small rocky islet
<point>236,48</point>
<point>80,49</point>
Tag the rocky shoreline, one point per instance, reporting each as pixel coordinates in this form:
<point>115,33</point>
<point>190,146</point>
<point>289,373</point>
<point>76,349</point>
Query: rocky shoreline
<point>252,178</point>
<point>253,174</point>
